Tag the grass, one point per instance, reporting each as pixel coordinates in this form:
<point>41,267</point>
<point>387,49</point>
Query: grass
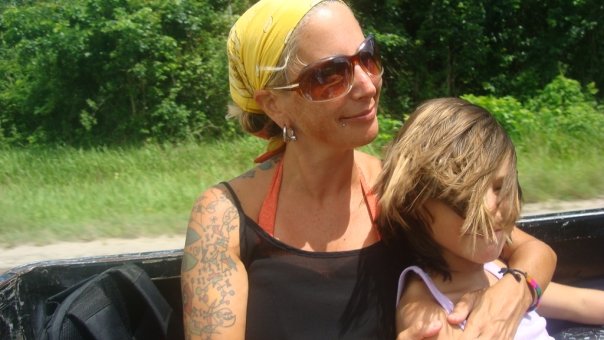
<point>68,194</point>
<point>575,177</point>
<point>50,194</point>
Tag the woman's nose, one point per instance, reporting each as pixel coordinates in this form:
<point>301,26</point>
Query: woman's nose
<point>363,84</point>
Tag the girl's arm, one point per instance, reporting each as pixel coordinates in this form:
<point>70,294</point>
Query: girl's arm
<point>496,312</point>
<point>579,305</point>
<point>213,278</point>
<point>419,316</point>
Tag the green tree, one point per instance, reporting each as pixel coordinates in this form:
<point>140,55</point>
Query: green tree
<point>122,71</point>
<point>508,47</point>
<point>114,71</point>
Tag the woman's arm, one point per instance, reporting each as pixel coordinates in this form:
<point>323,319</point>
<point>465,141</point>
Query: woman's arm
<point>575,304</point>
<point>496,312</point>
<point>213,278</point>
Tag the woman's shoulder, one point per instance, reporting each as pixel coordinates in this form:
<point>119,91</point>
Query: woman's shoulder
<point>251,187</point>
<point>254,177</point>
<point>246,184</point>
<point>245,193</point>
<point>215,199</point>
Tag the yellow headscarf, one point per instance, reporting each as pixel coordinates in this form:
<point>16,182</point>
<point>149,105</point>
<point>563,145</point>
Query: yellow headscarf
<point>255,44</point>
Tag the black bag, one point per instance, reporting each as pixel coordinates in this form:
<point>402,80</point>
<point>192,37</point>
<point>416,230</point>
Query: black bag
<point>120,303</point>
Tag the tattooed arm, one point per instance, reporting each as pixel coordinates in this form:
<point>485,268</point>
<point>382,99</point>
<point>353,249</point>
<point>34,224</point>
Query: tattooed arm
<point>213,278</point>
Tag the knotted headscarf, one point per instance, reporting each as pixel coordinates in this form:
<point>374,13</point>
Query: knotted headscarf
<point>254,47</point>
<point>255,44</point>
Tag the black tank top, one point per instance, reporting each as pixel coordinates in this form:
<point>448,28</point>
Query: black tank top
<point>297,294</point>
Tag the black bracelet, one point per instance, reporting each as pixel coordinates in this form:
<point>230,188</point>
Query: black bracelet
<point>516,273</point>
<point>534,287</point>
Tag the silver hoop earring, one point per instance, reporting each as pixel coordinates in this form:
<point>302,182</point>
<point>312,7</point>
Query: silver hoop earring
<point>288,134</point>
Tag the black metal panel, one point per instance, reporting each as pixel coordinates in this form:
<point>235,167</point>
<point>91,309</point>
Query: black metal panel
<point>23,290</point>
<point>577,237</point>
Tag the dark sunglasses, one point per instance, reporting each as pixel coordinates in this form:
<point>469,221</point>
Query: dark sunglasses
<point>332,77</point>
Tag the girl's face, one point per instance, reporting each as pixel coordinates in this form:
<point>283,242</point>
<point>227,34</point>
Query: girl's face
<point>459,249</point>
<point>344,122</point>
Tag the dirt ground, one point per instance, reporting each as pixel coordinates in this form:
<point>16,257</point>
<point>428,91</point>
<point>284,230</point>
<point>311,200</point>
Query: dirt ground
<point>25,254</point>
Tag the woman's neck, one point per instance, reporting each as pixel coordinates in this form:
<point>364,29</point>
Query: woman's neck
<point>336,215</point>
<point>318,174</point>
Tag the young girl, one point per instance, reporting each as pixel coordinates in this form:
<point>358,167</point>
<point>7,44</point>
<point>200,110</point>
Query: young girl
<point>449,191</point>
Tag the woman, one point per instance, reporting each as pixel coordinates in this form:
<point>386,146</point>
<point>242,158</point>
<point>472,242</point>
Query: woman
<point>290,248</point>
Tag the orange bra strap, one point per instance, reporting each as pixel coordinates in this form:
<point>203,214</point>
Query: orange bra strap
<point>370,199</point>
<point>268,211</point>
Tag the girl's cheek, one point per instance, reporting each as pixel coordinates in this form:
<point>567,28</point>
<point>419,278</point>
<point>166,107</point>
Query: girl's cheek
<point>491,201</point>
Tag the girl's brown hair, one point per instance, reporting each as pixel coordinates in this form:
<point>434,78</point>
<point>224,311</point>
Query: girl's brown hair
<point>449,150</point>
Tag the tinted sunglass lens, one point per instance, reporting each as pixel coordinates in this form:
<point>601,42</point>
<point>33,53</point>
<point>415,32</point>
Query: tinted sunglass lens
<point>332,78</point>
<point>371,63</point>
<point>369,57</point>
<point>328,80</point>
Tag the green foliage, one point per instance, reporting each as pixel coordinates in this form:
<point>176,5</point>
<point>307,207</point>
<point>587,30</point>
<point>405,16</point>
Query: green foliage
<point>113,71</point>
<point>569,115</point>
<point>511,114</point>
<point>502,48</point>
<point>388,129</point>
<point>562,120</point>
<point>97,72</point>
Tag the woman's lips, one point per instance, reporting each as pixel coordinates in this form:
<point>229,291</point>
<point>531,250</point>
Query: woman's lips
<point>368,115</point>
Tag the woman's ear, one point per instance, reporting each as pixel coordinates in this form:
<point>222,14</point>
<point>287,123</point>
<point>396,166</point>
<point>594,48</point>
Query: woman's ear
<point>270,104</point>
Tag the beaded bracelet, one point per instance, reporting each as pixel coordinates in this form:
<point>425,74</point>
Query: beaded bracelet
<point>534,287</point>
